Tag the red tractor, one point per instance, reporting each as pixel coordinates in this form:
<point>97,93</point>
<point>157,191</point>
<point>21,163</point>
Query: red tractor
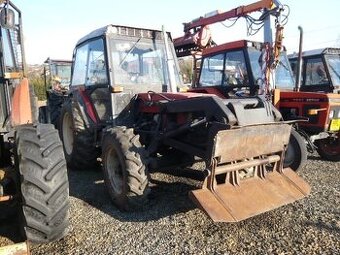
<point>124,108</point>
<point>318,99</point>
<point>242,68</point>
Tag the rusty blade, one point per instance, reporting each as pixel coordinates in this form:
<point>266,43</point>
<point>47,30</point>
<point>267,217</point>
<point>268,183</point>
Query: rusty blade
<point>228,203</point>
<point>251,141</point>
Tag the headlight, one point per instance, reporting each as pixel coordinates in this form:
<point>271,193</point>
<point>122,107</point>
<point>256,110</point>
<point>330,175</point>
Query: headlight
<point>331,114</point>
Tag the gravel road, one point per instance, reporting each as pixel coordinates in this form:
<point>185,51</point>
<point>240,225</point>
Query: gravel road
<point>171,224</point>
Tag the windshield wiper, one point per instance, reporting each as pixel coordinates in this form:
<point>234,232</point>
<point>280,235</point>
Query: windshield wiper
<point>130,50</point>
<point>282,64</point>
<point>333,69</point>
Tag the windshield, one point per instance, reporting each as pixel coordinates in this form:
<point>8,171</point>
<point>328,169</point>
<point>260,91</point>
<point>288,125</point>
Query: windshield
<point>227,69</point>
<point>283,73</point>
<point>62,71</point>
<point>11,50</point>
<point>333,62</point>
<point>141,64</point>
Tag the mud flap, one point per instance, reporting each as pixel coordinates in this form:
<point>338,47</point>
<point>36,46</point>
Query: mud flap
<point>257,151</point>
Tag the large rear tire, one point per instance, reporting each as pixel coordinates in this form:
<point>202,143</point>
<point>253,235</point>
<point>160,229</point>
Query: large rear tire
<point>44,183</point>
<point>43,117</point>
<point>78,141</point>
<point>296,153</point>
<point>55,102</point>
<point>329,148</point>
<point>125,168</point>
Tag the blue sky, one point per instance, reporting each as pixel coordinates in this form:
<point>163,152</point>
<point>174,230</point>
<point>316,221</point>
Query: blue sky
<point>52,28</point>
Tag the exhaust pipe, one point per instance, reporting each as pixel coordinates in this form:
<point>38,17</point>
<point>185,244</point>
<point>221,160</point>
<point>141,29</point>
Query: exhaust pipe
<point>299,62</point>
<point>170,64</point>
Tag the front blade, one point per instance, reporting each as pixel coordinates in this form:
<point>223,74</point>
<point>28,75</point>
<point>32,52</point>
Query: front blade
<point>228,203</point>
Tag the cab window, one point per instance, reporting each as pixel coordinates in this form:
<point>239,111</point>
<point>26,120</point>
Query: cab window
<point>90,65</point>
<point>227,69</point>
<point>315,72</point>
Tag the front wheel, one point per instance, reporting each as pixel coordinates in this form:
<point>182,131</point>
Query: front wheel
<point>125,168</point>
<point>329,148</point>
<point>296,153</point>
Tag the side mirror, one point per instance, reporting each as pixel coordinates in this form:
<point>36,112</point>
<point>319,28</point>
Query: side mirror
<point>7,18</point>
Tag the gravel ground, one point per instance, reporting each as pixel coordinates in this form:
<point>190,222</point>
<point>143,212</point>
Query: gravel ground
<point>171,224</point>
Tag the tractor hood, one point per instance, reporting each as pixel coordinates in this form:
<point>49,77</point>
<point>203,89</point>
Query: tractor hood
<point>152,96</point>
<point>309,97</point>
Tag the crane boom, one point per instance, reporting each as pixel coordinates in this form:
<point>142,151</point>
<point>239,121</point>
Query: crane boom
<point>197,34</point>
<point>234,13</point>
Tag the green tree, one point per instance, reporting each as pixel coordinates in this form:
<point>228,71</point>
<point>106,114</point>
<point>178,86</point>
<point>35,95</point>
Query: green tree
<point>36,79</point>
<point>185,66</point>
<point>38,83</point>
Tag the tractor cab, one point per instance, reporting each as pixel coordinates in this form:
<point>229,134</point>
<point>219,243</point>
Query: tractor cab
<point>57,70</point>
<point>114,63</point>
<point>125,58</point>
<point>236,67</point>
<point>320,70</point>
<point>57,75</point>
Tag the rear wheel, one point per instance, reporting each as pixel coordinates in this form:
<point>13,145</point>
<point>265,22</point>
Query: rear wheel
<point>55,102</point>
<point>43,114</point>
<point>296,153</point>
<point>79,142</point>
<point>43,183</point>
<point>125,169</point>
<point>329,148</point>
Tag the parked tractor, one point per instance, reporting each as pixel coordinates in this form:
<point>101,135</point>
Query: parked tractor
<point>57,69</point>
<point>320,70</point>
<point>318,99</point>
<point>240,78</point>
<point>242,68</point>
<point>124,103</point>
<point>57,75</point>
<point>33,174</point>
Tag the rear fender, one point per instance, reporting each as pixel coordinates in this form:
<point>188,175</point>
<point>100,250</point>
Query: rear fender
<point>21,104</point>
<point>83,102</point>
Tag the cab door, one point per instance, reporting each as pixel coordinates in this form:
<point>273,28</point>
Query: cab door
<point>90,82</point>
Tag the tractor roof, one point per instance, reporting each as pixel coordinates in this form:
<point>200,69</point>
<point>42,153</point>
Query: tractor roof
<point>123,31</point>
<point>233,45</point>
<point>61,61</point>
<point>315,52</point>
